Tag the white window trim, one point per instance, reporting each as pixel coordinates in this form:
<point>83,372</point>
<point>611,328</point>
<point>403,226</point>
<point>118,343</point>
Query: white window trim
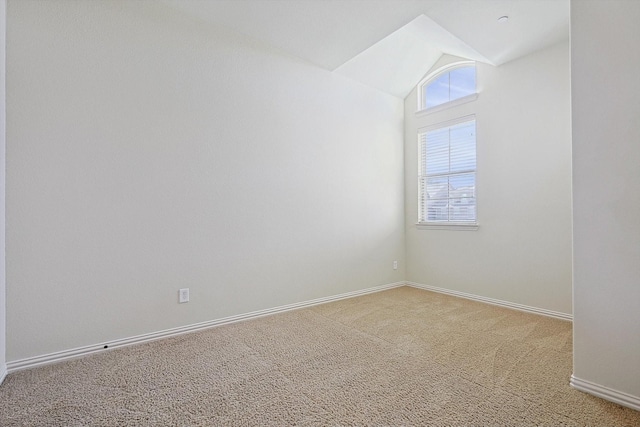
<point>456,226</point>
<point>437,225</point>
<point>447,123</point>
<point>432,75</point>
<point>447,105</point>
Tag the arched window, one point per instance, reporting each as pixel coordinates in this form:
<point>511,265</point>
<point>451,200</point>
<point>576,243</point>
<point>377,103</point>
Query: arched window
<point>450,83</point>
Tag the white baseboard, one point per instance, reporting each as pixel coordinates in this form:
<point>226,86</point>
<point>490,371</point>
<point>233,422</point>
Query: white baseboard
<point>59,356</point>
<point>606,393</point>
<point>507,304</point>
<point>3,372</point>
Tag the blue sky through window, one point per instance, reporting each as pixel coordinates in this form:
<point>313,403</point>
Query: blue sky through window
<point>450,86</point>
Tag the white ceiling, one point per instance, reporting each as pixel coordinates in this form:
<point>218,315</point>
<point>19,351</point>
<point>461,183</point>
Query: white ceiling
<point>390,44</point>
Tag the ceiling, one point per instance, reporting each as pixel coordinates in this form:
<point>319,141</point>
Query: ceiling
<point>390,44</point>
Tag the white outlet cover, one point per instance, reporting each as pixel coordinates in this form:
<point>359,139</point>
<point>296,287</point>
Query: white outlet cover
<point>183,295</point>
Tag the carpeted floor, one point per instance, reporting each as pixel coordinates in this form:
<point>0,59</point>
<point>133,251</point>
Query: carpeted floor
<point>395,358</point>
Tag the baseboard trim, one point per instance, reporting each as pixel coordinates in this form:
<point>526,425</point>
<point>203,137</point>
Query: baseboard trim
<point>59,356</point>
<point>606,393</point>
<point>506,304</point>
<point>3,372</point>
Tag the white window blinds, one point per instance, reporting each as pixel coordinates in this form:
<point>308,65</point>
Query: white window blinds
<point>447,180</point>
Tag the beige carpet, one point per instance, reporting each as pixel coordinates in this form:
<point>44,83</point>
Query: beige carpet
<point>399,357</point>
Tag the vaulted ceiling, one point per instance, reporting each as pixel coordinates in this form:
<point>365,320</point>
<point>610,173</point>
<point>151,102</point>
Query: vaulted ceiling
<point>390,44</point>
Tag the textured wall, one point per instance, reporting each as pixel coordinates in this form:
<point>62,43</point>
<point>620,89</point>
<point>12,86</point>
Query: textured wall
<point>147,152</point>
<point>606,179</point>
<point>3,32</point>
<point>521,252</point>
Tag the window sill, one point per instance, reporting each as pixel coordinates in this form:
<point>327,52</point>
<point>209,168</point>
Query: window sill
<point>447,105</point>
<point>459,226</point>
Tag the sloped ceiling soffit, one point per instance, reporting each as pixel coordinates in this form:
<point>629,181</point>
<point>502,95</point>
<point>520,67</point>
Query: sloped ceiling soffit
<point>390,44</point>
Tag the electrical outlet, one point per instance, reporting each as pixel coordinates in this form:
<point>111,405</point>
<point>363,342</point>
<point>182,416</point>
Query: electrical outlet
<point>395,265</point>
<point>184,295</point>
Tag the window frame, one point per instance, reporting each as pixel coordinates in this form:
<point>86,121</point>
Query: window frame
<point>422,109</point>
<point>446,225</point>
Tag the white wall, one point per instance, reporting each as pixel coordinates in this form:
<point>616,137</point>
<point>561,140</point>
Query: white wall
<point>3,32</point>
<point>521,252</point>
<point>605,60</point>
<point>147,152</point>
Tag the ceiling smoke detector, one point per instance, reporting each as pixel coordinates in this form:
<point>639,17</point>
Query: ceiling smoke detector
<point>503,19</point>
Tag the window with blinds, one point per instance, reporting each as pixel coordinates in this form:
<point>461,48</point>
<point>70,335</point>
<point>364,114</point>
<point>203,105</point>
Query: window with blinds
<point>447,180</point>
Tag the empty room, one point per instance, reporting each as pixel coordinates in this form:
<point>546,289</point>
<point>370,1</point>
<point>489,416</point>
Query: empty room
<point>320,212</point>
